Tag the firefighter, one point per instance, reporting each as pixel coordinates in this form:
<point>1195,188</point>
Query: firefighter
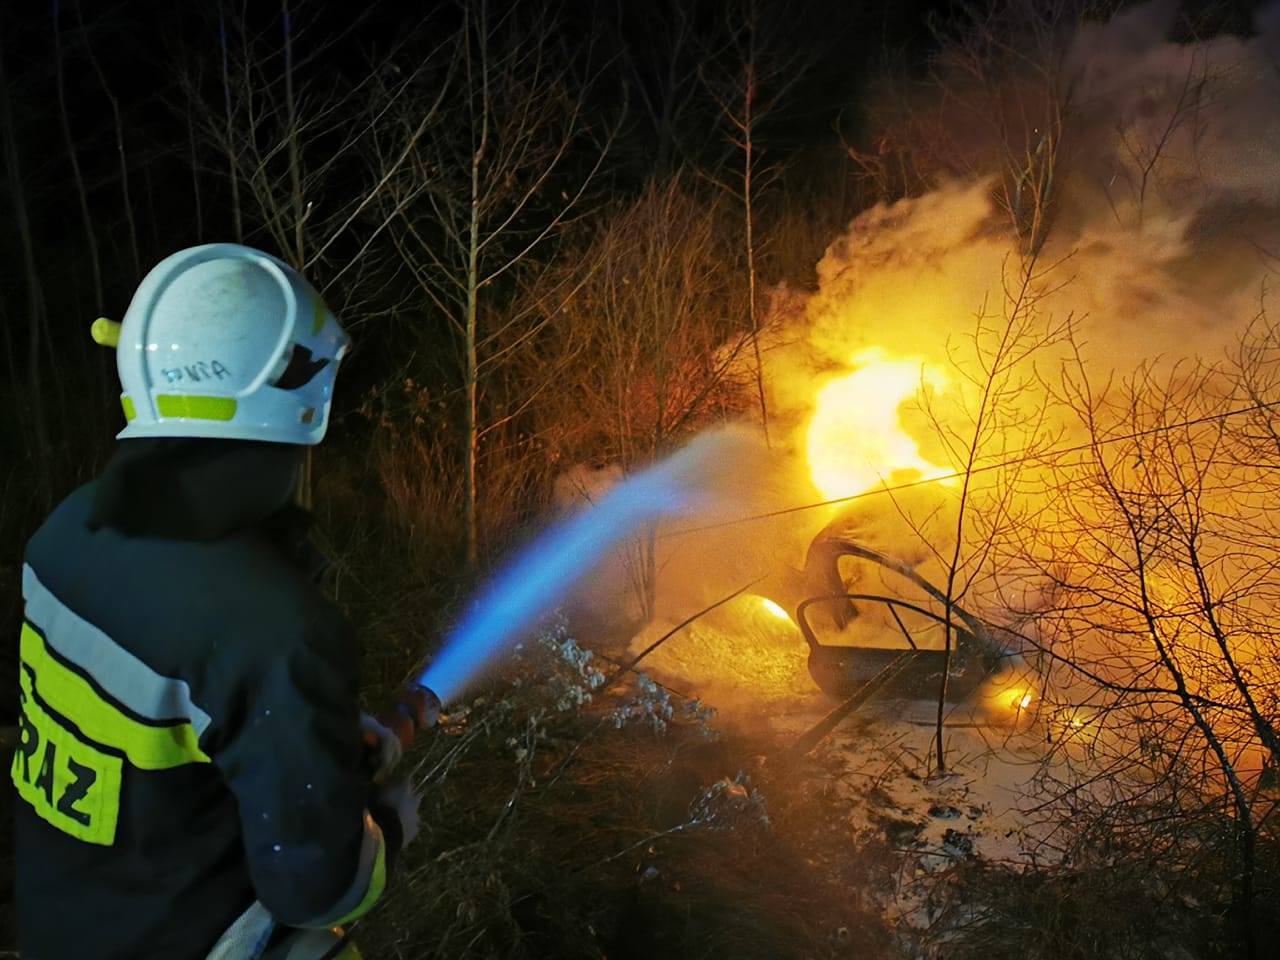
<point>191,771</point>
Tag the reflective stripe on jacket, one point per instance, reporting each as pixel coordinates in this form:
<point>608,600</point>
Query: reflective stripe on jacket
<point>189,744</point>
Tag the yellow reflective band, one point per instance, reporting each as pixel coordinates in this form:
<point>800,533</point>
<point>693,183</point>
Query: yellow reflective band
<point>148,746</point>
<point>317,321</point>
<point>126,402</point>
<point>72,785</point>
<point>377,883</point>
<point>196,408</point>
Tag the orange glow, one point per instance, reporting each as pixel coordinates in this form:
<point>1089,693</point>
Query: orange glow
<point>855,440</point>
<point>774,609</point>
<point>1017,699</point>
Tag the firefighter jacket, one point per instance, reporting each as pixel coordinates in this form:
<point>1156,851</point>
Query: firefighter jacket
<point>189,726</point>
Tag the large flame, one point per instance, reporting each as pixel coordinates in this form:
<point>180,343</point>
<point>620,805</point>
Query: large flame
<point>855,440</point>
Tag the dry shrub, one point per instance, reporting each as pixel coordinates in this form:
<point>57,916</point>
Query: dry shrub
<point>649,344</point>
<point>424,494</point>
<point>615,827</point>
<point>660,294</point>
<point>1114,902</point>
<point>1107,910</point>
<point>814,207</point>
<point>415,458</point>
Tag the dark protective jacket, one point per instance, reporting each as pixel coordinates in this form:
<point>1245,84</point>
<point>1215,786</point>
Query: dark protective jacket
<point>189,723</point>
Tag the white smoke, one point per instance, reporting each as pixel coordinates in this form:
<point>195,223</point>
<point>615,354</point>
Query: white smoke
<point>1164,232</point>
<point>1164,211</point>
<point>1165,229</point>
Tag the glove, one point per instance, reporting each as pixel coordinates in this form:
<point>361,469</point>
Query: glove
<point>382,747</point>
<point>414,709</point>
<point>401,801</point>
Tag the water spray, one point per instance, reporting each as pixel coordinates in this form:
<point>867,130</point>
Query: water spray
<point>545,572</point>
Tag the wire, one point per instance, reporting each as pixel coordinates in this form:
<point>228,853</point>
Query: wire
<point>1047,456</point>
<point>631,664</point>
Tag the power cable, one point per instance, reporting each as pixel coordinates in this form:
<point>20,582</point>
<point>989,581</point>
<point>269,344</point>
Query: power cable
<point>1048,456</point>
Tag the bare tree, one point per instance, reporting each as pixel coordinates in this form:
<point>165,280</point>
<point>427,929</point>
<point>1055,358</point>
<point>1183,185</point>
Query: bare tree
<point>122,157</point>
<point>749,81</point>
<point>296,136</point>
<point>297,140</point>
<point>1005,65</point>
<point>488,188</point>
<point>86,219</point>
<point>1163,588</point>
<point>228,138</point>
<point>37,319</point>
<point>991,427</point>
<point>657,322</point>
<point>1150,146</point>
<point>998,99</point>
<point>661,68</point>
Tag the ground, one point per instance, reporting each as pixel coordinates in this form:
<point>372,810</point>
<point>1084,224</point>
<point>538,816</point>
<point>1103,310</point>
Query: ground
<point>879,764</point>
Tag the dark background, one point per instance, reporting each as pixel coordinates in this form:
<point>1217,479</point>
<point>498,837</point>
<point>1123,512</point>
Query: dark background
<point>120,89</point>
<point>125,106</point>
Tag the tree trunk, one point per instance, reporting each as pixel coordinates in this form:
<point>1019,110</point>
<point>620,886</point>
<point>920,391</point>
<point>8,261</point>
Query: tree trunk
<point>472,368</point>
<point>747,170</point>
<point>306,488</point>
<point>102,377</point>
<point>471,335</point>
<point>86,220</point>
<point>35,292</point>
<point>233,172</point>
<point>120,152</point>
<point>195,174</point>
<point>473,443</point>
<point>298,254</point>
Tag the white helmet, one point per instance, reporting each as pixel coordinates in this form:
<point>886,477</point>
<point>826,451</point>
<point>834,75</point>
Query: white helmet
<point>225,341</point>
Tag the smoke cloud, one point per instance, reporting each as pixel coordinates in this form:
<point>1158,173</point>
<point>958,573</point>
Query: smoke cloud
<point>1163,234</point>
<point>1163,208</point>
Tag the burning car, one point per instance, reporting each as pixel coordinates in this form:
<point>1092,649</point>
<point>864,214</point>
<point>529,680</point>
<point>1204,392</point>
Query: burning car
<point>908,660</point>
<point>874,622</point>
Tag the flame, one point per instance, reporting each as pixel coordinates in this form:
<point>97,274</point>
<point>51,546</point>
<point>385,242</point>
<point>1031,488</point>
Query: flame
<point>774,609</point>
<point>1018,699</point>
<point>855,440</point>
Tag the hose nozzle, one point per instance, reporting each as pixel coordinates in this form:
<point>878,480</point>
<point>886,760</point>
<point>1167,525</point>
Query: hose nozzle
<point>414,708</point>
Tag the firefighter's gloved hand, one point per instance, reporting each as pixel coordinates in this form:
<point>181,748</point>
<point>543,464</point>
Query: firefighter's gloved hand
<point>382,745</point>
<point>400,799</point>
